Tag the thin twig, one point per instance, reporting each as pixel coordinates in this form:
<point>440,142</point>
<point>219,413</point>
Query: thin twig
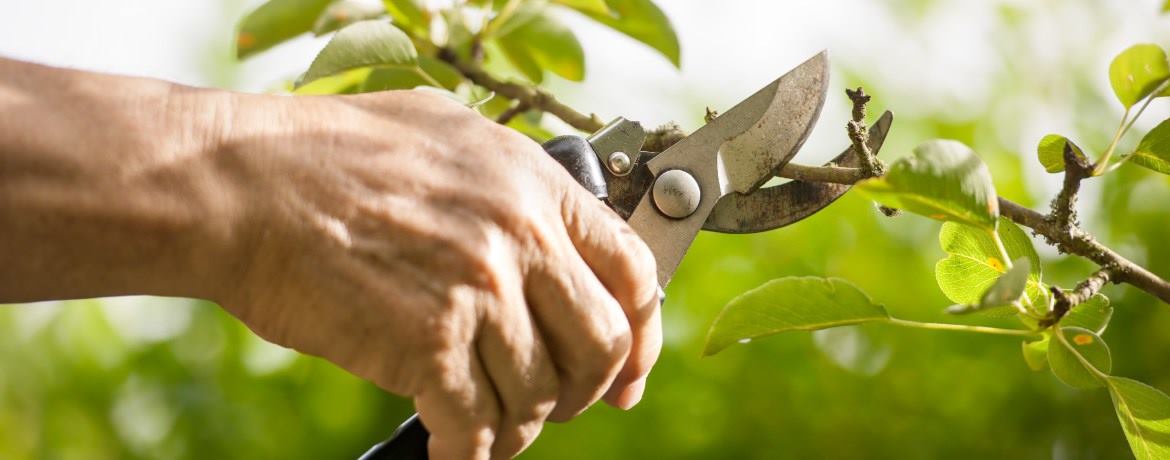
<point>516,109</point>
<point>859,134</point>
<point>1065,300</point>
<point>535,98</point>
<point>1064,207</point>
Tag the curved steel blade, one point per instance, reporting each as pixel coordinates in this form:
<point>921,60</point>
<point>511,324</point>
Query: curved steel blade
<point>774,207</point>
<point>736,151</point>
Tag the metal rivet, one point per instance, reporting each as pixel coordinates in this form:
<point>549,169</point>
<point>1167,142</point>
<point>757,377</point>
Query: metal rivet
<point>676,193</point>
<point>619,163</point>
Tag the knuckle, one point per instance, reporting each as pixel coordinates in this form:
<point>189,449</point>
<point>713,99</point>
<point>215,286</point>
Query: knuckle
<point>602,355</point>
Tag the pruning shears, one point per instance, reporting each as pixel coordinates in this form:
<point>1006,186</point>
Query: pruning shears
<point>710,180</point>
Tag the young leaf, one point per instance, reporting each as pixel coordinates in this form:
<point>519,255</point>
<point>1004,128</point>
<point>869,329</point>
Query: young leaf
<point>1006,289</point>
<point>791,304</point>
<point>973,262</point>
<point>1092,314</point>
<point>1036,353</point>
<point>642,20</point>
<point>585,6</point>
<point>944,180</point>
<point>408,15</point>
<point>1144,413</point>
<point>1051,152</point>
<point>1137,72</point>
<point>275,22</point>
<point>374,43</point>
<point>540,42</point>
<point>1154,150</point>
<point>1071,357</point>
<point>345,12</point>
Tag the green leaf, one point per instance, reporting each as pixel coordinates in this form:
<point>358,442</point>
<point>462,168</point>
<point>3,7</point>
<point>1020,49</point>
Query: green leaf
<point>1166,7</point>
<point>1074,370</point>
<point>642,20</point>
<point>943,180</point>
<point>791,304</point>
<point>973,263</point>
<point>1005,290</point>
<point>1036,353</point>
<point>1092,314</point>
<point>1051,152</point>
<point>586,6</point>
<point>1144,413</point>
<point>408,15</point>
<point>1154,150</point>
<point>1137,72</point>
<point>275,22</point>
<point>428,72</point>
<point>363,44</point>
<point>343,13</point>
<point>540,42</point>
<point>348,82</point>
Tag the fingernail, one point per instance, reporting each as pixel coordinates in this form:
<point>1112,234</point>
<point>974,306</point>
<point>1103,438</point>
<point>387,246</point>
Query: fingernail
<point>632,395</point>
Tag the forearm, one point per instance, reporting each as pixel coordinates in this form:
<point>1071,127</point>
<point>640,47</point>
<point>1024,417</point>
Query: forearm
<point>110,186</point>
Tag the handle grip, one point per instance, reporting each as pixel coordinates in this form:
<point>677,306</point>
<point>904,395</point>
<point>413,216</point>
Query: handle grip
<point>409,441</point>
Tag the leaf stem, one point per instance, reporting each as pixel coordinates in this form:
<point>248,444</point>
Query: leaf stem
<point>505,13</point>
<point>1003,254</point>
<point>423,74</point>
<point>1121,128</point>
<point>1121,160</point>
<point>1059,332</point>
<point>963,328</point>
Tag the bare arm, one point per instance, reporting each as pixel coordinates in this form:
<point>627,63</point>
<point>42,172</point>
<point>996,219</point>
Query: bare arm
<point>107,186</point>
<point>399,235</point>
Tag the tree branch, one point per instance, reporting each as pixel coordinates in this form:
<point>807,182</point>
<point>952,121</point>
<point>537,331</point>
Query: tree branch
<point>533,97</point>
<point>1064,207</point>
<point>859,134</point>
<point>1070,240</point>
<point>516,109</point>
<point>1085,290</point>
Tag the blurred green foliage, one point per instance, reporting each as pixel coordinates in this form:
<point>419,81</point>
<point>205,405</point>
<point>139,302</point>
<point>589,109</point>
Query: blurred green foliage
<point>177,379</point>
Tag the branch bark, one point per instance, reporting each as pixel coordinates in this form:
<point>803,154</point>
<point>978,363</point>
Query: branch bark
<point>1085,290</point>
<point>1071,240</point>
<point>533,97</point>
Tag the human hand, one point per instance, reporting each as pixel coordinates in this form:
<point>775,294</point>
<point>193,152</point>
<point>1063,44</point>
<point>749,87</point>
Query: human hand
<point>442,257</point>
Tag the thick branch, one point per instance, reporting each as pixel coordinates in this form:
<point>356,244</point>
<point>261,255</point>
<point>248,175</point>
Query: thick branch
<point>535,98</point>
<point>1069,240</point>
<point>1077,241</point>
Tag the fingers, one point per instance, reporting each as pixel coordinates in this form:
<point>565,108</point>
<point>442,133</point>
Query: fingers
<point>521,371</point>
<point>625,265</point>
<point>459,409</point>
<point>585,330</point>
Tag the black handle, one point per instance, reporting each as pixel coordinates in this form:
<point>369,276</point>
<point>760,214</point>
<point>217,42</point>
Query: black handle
<point>409,441</point>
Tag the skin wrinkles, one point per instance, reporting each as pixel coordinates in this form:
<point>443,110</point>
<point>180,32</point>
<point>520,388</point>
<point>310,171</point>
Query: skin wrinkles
<point>399,235</point>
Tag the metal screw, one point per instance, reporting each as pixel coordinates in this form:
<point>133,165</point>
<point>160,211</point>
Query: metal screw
<point>676,193</point>
<point>619,163</point>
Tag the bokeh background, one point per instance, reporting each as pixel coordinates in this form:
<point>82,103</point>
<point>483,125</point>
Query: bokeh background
<point>158,378</point>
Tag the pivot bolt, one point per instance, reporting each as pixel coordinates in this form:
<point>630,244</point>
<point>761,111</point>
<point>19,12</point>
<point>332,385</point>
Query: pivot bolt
<point>676,193</point>
<point>619,163</point>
